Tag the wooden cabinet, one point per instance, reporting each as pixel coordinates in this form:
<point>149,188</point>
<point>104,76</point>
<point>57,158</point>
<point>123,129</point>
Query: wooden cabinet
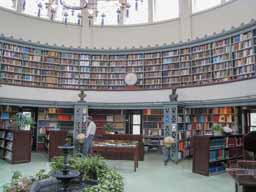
<point>52,140</point>
<point>212,154</point>
<point>15,145</point>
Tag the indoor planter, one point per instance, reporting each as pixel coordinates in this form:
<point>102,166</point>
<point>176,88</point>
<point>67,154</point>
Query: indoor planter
<point>108,128</point>
<point>22,121</point>
<point>217,130</point>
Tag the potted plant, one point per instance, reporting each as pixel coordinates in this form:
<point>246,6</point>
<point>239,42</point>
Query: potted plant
<point>22,121</point>
<point>217,130</point>
<point>108,128</point>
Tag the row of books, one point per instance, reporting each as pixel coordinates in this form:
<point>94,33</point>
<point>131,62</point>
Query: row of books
<point>135,63</point>
<point>135,70</point>
<point>201,48</point>
<point>201,55</point>
<point>242,45</point>
<point>223,74</point>
<point>216,110</point>
<point>220,58</point>
<point>204,69</point>
<point>152,62</point>
<point>213,118</point>
<point>201,62</point>
<point>250,69</point>
<point>176,73</point>
<point>216,155</point>
<point>243,53</point>
<point>221,51</point>
<point>223,66</point>
<point>152,68</point>
<point>177,80</point>
<point>242,37</point>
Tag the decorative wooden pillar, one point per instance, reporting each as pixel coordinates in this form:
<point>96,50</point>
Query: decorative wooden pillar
<point>80,117</point>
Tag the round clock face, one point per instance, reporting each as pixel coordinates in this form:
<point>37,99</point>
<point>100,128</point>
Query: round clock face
<point>131,79</point>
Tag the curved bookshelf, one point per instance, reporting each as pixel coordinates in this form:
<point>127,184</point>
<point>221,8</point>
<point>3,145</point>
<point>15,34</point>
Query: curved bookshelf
<point>226,58</point>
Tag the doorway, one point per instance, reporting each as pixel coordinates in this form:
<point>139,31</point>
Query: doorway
<point>134,122</point>
<point>31,112</point>
<point>252,121</point>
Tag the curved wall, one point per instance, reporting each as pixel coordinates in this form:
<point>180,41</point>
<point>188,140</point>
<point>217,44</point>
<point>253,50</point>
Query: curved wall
<point>214,20</point>
<point>215,92</point>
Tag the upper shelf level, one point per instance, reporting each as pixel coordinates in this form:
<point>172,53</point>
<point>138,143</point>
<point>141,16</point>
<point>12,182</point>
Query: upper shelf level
<point>216,60</point>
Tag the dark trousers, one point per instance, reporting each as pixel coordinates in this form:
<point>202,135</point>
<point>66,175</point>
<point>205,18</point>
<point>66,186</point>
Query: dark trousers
<point>166,154</point>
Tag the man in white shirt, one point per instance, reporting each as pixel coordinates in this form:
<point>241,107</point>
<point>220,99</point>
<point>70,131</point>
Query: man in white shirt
<point>90,132</point>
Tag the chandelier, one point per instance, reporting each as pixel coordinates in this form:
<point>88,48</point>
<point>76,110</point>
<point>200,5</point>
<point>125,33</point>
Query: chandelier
<point>75,5</point>
<point>122,10</point>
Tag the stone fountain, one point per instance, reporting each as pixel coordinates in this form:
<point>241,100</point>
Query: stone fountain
<point>66,174</point>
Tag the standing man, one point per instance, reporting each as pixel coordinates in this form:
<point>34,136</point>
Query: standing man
<point>90,132</point>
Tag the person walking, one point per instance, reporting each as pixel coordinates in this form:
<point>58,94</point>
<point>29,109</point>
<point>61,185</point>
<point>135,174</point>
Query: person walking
<point>89,135</point>
<point>168,142</point>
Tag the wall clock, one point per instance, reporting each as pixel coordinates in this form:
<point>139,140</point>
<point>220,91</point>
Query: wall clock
<point>131,79</point>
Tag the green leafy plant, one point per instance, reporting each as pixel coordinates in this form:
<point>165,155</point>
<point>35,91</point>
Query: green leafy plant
<point>109,181</point>
<point>18,183</point>
<point>217,128</point>
<point>92,167</point>
<point>41,174</point>
<point>108,127</point>
<point>89,167</point>
<point>22,120</point>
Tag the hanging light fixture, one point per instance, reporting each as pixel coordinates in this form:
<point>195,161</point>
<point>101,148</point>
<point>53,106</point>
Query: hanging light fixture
<point>66,17</point>
<point>90,16</point>
<point>39,5</point>
<point>128,6</point>
<point>23,4</point>
<point>123,8</point>
<point>136,5</point>
<point>53,11</point>
<point>79,16</point>
<point>103,19</point>
<point>118,11</point>
<point>14,3</point>
<point>82,5</point>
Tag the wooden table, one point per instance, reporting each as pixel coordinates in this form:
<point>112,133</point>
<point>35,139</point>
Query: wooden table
<point>102,148</point>
<point>245,178</point>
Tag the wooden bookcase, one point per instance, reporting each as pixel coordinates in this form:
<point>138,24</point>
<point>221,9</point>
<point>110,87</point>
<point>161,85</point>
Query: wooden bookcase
<point>153,127</point>
<point>227,58</point>
<point>115,118</point>
<point>212,154</point>
<point>15,145</point>
<point>50,118</point>
<point>52,140</point>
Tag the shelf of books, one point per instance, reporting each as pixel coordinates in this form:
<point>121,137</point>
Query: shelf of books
<point>108,120</point>
<point>153,131</point>
<point>202,119</point>
<point>15,145</point>
<point>7,116</point>
<point>183,133</point>
<point>201,69</point>
<point>152,70</point>
<point>54,119</point>
<point>212,154</point>
<point>117,71</point>
<point>221,59</point>
<point>243,55</point>
<point>215,61</point>
<point>135,64</point>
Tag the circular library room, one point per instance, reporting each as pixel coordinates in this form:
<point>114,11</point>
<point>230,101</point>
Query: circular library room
<point>127,95</point>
